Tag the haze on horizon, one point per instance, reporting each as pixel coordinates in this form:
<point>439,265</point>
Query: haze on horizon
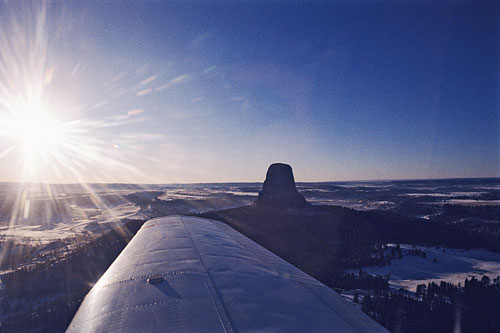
<point>180,92</point>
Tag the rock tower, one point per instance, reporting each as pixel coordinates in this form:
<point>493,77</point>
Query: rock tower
<point>279,189</point>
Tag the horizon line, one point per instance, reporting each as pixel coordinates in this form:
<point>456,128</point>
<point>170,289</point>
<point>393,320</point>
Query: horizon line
<point>254,182</point>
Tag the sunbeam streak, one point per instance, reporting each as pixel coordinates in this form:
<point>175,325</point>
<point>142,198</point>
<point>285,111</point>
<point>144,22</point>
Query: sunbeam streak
<point>43,136</point>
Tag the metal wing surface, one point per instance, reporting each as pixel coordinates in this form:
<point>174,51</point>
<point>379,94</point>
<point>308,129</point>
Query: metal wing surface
<point>184,273</point>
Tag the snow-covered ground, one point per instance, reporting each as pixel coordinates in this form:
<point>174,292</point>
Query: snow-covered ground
<point>45,213</point>
<point>450,265</point>
<point>85,219</point>
<point>467,202</point>
<point>353,204</point>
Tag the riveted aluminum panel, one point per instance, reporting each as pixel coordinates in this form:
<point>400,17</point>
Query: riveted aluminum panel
<point>205,276</point>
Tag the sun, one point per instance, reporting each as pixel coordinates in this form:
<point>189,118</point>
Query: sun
<point>35,133</point>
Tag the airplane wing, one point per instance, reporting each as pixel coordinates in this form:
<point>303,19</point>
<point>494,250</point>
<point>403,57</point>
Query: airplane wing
<point>184,273</point>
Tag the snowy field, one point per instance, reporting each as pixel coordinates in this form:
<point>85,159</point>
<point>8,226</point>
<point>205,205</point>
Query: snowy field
<point>71,213</point>
<point>59,211</point>
<point>450,265</point>
<point>93,220</point>
<point>34,214</point>
<point>62,211</point>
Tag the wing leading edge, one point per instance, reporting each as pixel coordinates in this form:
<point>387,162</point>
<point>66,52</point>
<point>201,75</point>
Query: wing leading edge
<point>191,274</point>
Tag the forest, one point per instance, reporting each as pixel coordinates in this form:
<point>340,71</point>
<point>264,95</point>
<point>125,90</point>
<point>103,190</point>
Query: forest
<point>445,307</point>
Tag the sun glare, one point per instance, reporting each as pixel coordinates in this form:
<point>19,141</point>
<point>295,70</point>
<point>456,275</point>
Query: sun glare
<point>35,132</point>
<point>48,133</point>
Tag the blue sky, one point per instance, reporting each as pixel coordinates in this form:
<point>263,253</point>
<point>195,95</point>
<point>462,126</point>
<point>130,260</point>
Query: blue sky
<point>216,91</point>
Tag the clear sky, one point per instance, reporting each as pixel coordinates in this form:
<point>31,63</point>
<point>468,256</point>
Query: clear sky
<point>185,91</point>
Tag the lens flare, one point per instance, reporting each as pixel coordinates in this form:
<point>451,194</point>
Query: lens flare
<point>47,135</point>
<point>34,132</point>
